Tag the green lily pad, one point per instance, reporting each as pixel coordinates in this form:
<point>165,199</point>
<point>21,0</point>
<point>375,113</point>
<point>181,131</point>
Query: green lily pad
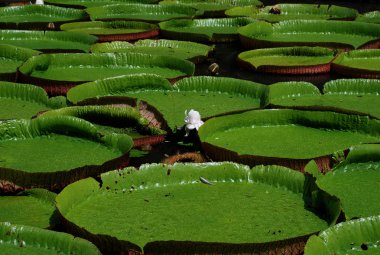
<point>357,96</point>
<point>37,16</point>
<point>326,33</point>
<point>143,12</point>
<point>293,60</point>
<point>180,49</point>
<point>206,218</point>
<point>26,240</point>
<point>285,137</point>
<point>11,58</point>
<point>358,63</point>
<point>204,30</point>
<point>114,30</point>
<point>48,40</point>
<point>280,12</point>
<point>359,236</point>
<point>19,101</point>
<point>355,182</point>
<point>370,17</point>
<point>209,95</point>
<point>213,7</point>
<point>54,151</point>
<point>34,207</point>
<point>73,69</point>
<point>93,3</point>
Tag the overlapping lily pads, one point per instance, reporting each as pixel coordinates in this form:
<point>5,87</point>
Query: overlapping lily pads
<point>20,239</point>
<point>11,58</point>
<point>25,101</point>
<point>44,17</point>
<point>134,209</point>
<point>358,63</point>
<point>35,207</point>
<point>209,95</point>
<point>142,12</point>
<point>370,17</point>
<point>280,12</point>
<point>288,60</point>
<point>204,30</point>
<point>93,3</point>
<point>48,41</point>
<point>359,236</point>
<point>285,137</point>
<point>51,152</point>
<point>355,96</point>
<point>214,8</point>
<point>59,72</point>
<point>194,52</point>
<point>327,33</point>
<point>114,30</point>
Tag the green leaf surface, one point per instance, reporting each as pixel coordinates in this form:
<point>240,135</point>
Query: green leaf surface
<point>26,240</point>
<point>349,95</point>
<point>12,57</point>
<point>280,12</point>
<point>370,17</point>
<point>288,56</point>
<point>34,207</point>
<point>90,67</point>
<point>47,40</point>
<point>178,49</point>
<point>143,12</point>
<point>208,95</point>
<point>312,33</point>
<point>24,101</point>
<point>109,28</point>
<point>39,13</point>
<point>359,236</point>
<point>364,60</point>
<point>94,3</point>
<point>203,30</point>
<point>269,199</point>
<point>289,134</point>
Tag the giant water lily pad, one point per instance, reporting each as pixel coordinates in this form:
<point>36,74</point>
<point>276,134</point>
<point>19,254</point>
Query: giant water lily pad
<point>180,49</point>
<point>358,63</point>
<point>54,151</point>
<point>370,17</point>
<point>213,8</point>
<point>34,207</point>
<point>59,72</point>
<point>136,209</point>
<point>93,3</point>
<point>11,58</point>
<point>143,12</point>
<point>38,16</point>
<point>204,30</point>
<point>359,236</point>
<point>288,60</point>
<point>358,96</point>
<point>27,240</point>
<point>51,41</point>
<point>116,119</point>
<point>280,12</point>
<point>209,95</point>
<point>25,101</point>
<point>285,137</point>
<point>355,182</point>
<point>326,33</point>
<point>114,30</point>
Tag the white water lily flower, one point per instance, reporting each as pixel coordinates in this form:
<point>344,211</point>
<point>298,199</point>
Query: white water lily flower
<point>41,2</point>
<point>192,120</point>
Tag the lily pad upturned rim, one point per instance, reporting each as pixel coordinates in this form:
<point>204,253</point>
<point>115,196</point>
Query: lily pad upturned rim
<point>338,65</point>
<point>323,161</point>
<point>150,30</point>
<point>61,87</point>
<point>265,28</point>
<point>271,175</point>
<point>62,125</point>
<point>166,30</point>
<point>288,69</point>
<point>370,17</point>
<point>81,4</point>
<point>19,234</point>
